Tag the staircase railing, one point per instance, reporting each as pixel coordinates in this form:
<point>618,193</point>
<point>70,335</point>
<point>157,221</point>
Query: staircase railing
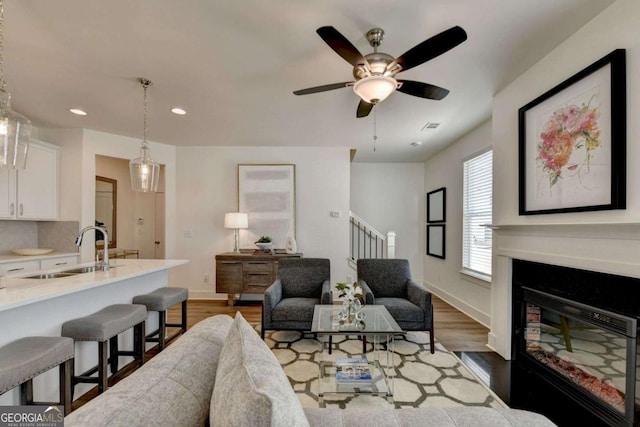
<point>367,242</point>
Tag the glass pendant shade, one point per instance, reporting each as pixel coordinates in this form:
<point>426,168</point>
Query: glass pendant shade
<point>15,133</point>
<point>145,172</point>
<point>375,89</point>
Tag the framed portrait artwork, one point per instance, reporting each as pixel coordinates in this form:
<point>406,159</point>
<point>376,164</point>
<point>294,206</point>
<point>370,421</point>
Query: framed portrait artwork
<point>267,193</point>
<point>572,143</point>
<point>437,205</point>
<point>435,240</point>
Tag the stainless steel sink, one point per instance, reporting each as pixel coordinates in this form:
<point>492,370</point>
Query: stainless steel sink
<point>80,270</point>
<point>51,275</point>
<point>67,273</point>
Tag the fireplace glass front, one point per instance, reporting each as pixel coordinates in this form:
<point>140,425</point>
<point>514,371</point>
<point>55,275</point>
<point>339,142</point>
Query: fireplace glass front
<point>592,349</point>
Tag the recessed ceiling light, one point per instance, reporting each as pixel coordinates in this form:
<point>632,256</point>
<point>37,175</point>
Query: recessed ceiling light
<point>78,111</point>
<point>416,144</point>
<point>178,111</point>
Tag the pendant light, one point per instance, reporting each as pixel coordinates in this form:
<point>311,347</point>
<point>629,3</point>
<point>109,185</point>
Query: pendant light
<point>15,129</point>
<point>144,171</point>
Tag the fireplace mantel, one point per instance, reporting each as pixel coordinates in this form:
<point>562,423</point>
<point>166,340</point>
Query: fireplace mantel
<point>603,247</point>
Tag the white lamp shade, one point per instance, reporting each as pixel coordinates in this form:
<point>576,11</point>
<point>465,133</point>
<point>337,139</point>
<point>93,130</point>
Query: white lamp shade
<point>375,89</point>
<point>236,220</point>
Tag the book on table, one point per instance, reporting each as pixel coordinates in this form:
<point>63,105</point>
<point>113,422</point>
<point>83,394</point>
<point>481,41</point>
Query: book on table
<point>353,371</point>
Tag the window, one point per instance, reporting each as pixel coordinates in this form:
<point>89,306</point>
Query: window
<point>477,212</point>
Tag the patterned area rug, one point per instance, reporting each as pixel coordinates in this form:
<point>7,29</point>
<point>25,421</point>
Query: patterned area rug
<point>421,379</point>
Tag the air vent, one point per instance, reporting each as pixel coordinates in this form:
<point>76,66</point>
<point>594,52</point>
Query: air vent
<point>430,125</point>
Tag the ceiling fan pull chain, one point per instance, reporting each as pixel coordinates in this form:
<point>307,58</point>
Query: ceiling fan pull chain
<point>375,136</point>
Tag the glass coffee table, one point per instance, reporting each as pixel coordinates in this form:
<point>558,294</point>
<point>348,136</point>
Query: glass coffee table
<point>379,328</point>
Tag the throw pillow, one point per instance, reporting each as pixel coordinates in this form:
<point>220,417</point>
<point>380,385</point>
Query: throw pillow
<point>251,388</point>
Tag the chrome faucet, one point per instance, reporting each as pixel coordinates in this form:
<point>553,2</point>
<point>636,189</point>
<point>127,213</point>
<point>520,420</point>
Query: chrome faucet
<point>105,256</point>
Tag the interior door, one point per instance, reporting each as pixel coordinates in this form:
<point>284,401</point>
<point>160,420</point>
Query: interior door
<point>159,227</point>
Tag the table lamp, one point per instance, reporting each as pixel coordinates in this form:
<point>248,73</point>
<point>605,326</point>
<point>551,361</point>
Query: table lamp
<point>236,220</point>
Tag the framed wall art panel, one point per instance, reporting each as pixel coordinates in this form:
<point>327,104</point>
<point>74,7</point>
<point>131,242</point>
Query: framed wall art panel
<point>437,205</point>
<point>436,240</point>
<point>267,193</point>
<point>572,143</point>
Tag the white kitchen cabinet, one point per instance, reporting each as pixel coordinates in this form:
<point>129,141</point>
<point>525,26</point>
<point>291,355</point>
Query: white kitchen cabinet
<point>51,263</point>
<point>19,267</point>
<point>31,194</point>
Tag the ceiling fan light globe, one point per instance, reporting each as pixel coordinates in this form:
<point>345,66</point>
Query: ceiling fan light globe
<point>375,89</point>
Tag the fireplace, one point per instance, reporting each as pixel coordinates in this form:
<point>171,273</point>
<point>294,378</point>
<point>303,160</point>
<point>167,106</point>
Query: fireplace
<point>575,346</point>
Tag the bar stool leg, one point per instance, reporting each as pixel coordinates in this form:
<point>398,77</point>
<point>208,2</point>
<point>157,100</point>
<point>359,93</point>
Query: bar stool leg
<point>113,354</point>
<point>139,342</point>
<point>103,379</point>
<point>26,393</point>
<point>66,370</point>
<point>184,316</point>
<point>162,329</point>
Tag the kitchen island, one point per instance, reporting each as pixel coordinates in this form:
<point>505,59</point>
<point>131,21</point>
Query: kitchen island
<point>38,307</point>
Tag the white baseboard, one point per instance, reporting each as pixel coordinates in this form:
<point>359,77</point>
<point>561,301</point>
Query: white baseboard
<point>475,314</point>
<point>206,295</point>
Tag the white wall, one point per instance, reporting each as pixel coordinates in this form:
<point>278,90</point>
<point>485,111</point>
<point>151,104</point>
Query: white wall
<point>391,197</point>
<point>603,242</point>
<point>78,170</point>
<point>442,276</point>
<point>207,183</point>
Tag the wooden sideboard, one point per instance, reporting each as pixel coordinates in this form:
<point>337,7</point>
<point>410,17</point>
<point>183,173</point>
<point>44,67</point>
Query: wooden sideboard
<point>247,272</point>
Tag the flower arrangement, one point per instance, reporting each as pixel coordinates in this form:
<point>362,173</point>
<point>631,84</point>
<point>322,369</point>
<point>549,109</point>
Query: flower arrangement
<point>349,292</point>
<point>567,129</point>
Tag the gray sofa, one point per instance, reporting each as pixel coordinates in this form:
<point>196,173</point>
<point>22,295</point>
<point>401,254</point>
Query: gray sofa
<point>220,372</point>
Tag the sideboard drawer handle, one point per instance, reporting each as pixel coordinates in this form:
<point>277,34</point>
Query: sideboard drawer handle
<point>16,269</point>
<point>230,262</point>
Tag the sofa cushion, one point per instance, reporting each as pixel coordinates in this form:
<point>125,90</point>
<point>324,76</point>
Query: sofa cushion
<point>173,389</point>
<point>463,416</point>
<point>251,388</point>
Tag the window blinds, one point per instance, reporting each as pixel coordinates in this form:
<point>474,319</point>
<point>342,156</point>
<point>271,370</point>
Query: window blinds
<point>477,212</point>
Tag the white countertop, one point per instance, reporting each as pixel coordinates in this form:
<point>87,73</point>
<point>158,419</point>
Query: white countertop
<point>6,258</point>
<point>22,291</point>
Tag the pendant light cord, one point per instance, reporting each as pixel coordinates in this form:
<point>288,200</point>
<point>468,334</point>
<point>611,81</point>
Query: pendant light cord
<point>145,84</point>
<point>375,132</point>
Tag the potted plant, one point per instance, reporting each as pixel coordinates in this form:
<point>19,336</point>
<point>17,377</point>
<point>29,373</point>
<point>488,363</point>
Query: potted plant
<point>264,243</point>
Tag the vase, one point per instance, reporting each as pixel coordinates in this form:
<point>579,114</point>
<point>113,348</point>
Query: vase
<point>290,245</point>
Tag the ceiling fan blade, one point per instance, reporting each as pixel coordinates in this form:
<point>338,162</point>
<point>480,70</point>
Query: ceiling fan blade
<point>364,108</point>
<point>422,90</point>
<point>432,47</point>
<point>341,45</point>
<point>322,88</point>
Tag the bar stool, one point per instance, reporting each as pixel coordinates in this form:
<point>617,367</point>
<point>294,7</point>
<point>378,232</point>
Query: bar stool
<point>26,358</point>
<point>160,300</point>
<point>103,326</point>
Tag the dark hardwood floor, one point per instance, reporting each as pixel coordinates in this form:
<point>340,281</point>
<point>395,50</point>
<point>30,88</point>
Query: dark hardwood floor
<point>453,329</point>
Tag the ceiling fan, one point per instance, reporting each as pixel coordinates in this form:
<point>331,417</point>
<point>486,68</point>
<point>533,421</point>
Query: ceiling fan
<point>375,72</point>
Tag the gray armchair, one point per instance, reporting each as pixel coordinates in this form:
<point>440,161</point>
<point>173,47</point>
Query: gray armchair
<point>388,282</point>
<point>302,283</point>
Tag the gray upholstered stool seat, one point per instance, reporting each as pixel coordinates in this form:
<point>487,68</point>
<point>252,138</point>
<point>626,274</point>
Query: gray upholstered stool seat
<point>160,300</point>
<point>24,359</point>
<point>103,326</point>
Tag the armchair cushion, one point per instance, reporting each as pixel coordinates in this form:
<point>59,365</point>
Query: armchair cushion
<point>402,310</point>
<point>294,310</point>
<point>385,277</point>
<point>303,277</point>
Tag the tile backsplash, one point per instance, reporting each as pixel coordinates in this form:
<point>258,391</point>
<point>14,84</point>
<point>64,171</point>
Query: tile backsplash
<point>57,235</point>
